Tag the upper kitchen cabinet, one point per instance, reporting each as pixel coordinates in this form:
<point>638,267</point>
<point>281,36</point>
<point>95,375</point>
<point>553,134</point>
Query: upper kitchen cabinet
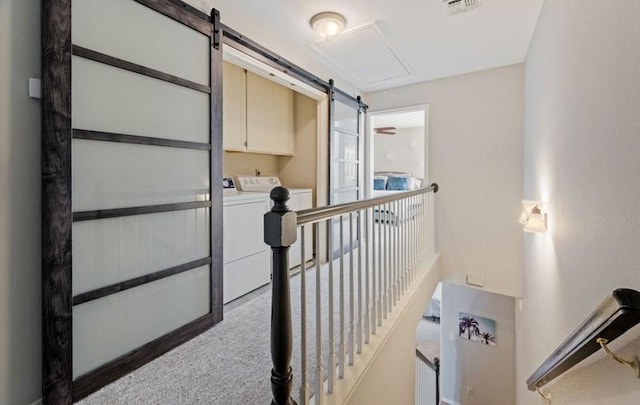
<point>234,107</point>
<point>258,114</point>
<point>269,116</point>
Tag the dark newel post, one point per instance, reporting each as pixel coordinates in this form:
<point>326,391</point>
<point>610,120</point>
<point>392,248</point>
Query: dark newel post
<point>280,233</point>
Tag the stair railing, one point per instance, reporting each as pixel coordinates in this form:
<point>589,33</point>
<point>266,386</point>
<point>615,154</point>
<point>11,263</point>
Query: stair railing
<point>427,380</point>
<point>376,263</point>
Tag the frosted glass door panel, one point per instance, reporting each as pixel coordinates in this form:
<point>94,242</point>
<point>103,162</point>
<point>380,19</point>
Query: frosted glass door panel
<point>345,196</point>
<point>345,175</point>
<point>345,152</point>
<point>345,118</point>
<point>109,251</point>
<point>112,326</point>
<point>133,32</point>
<point>115,175</point>
<point>346,146</point>
<point>243,229</point>
<point>109,99</point>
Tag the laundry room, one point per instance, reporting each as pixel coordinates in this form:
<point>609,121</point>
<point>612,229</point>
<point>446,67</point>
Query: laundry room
<point>270,129</point>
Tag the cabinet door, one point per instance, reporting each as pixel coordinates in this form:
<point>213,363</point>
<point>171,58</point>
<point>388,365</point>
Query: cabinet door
<point>234,109</point>
<point>269,117</point>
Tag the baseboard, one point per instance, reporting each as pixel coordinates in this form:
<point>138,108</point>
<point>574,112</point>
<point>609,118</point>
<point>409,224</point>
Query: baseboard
<point>445,401</point>
<point>37,402</point>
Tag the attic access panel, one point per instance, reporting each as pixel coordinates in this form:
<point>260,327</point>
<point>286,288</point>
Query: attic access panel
<point>364,54</point>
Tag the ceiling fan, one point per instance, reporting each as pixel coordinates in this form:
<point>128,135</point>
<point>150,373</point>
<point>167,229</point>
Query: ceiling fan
<point>385,130</point>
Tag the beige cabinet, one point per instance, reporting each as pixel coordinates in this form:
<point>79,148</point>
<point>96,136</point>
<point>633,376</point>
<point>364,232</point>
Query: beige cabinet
<point>269,116</point>
<point>234,107</point>
<point>258,113</point>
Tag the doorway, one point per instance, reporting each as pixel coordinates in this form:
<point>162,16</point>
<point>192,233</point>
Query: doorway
<point>397,143</point>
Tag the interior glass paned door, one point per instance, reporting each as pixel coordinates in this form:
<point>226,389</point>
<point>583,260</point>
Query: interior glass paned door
<point>345,183</point>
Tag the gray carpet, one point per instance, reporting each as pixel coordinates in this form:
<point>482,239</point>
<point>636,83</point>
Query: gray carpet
<point>228,364</point>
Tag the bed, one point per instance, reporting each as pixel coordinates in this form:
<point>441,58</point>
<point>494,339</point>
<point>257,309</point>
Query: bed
<point>387,183</point>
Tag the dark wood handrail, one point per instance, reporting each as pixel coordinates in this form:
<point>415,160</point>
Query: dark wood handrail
<point>616,314</point>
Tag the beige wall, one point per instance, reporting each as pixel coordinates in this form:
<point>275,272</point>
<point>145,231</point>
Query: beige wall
<point>582,160</point>
<point>19,203</point>
<point>242,163</point>
<point>475,155</point>
<point>390,379</point>
<point>300,171</point>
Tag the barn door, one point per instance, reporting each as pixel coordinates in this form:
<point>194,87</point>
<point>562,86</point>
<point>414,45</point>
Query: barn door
<point>132,199</point>
<point>346,150</point>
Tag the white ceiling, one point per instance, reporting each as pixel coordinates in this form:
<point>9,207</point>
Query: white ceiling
<point>433,43</point>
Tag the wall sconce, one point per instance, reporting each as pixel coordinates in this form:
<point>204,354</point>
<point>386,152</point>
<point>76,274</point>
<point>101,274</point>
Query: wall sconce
<point>533,219</point>
<point>328,24</point>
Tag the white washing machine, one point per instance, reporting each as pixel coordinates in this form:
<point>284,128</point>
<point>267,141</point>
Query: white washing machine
<point>247,259</point>
<point>301,198</point>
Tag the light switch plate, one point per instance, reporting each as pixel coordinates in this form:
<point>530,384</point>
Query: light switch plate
<point>35,87</point>
<point>474,279</point>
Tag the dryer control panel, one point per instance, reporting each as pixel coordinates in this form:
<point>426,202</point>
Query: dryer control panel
<point>258,183</point>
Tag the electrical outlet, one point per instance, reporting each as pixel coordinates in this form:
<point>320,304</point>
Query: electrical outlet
<point>469,390</point>
<point>474,279</point>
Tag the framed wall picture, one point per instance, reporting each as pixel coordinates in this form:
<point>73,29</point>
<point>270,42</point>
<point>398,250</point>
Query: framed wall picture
<point>477,328</point>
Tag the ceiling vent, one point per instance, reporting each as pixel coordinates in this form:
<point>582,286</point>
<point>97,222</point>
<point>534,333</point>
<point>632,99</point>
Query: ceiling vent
<point>460,6</point>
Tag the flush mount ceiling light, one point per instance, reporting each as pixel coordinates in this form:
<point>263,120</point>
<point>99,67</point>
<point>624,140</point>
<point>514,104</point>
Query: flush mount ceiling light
<point>533,219</point>
<point>327,24</point>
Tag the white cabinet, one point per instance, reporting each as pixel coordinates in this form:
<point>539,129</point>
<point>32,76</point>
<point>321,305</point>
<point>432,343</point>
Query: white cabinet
<point>301,199</point>
<point>257,113</point>
<point>246,256</point>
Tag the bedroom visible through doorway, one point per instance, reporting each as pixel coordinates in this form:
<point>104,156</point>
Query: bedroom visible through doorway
<point>398,150</point>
